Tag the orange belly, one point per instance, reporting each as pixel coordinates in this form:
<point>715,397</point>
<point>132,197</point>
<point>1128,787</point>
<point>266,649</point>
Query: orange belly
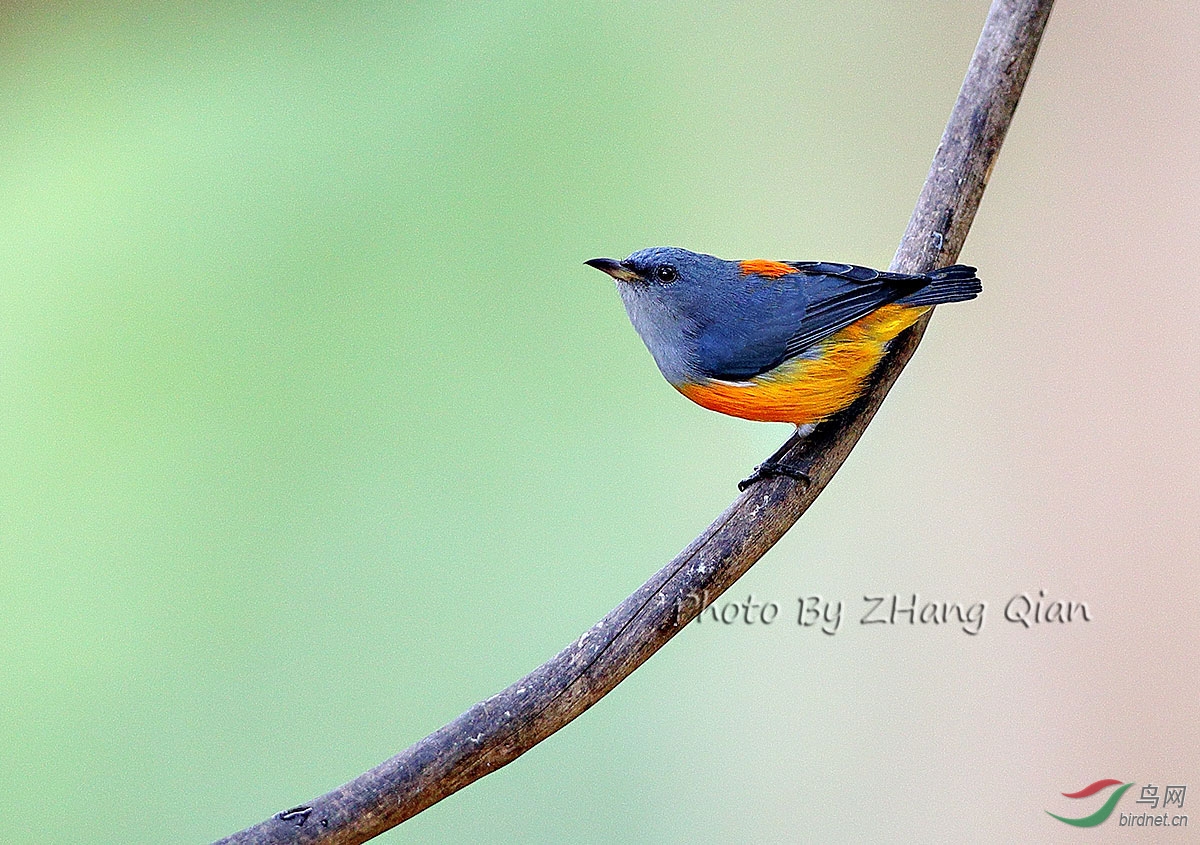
<point>807,390</point>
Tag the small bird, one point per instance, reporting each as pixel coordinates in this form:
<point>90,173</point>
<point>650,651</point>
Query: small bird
<point>774,341</point>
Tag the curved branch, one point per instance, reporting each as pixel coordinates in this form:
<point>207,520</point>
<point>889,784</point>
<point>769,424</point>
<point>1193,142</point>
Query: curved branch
<point>497,731</point>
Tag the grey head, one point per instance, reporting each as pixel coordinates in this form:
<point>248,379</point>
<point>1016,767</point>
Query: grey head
<point>704,317</point>
<point>672,296</point>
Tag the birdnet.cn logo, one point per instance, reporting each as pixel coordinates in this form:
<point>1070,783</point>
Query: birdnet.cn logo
<point>1170,796</point>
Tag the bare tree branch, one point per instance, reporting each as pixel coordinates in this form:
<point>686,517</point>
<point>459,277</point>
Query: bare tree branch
<point>497,731</point>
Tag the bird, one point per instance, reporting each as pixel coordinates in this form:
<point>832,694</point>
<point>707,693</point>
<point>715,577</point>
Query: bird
<point>773,341</point>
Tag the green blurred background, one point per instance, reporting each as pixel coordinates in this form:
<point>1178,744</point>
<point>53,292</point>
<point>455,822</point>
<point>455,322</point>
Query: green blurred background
<point>316,430</point>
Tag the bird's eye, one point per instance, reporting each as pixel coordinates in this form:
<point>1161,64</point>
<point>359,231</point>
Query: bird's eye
<point>665,273</point>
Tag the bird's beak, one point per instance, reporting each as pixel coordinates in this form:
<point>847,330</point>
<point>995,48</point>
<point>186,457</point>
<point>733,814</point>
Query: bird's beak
<point>618,270</point>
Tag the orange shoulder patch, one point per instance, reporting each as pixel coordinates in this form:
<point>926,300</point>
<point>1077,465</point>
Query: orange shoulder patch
<point>770,269</point>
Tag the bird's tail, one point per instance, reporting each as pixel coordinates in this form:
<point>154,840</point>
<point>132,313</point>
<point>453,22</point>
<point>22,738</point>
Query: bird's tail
<point>949,284</point>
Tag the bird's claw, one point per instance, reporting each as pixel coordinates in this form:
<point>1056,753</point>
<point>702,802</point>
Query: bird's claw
<point>773,469</point>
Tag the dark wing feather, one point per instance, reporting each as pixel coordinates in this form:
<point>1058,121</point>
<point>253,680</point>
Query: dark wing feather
<point>839,294</point>
<point>782,319</point>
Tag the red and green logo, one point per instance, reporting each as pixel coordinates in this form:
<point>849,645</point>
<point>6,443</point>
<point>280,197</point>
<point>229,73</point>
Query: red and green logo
<point>1105,811</point>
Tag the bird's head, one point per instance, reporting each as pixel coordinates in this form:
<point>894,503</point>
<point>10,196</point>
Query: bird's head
<point>675,281</point>
<point>670,294</point>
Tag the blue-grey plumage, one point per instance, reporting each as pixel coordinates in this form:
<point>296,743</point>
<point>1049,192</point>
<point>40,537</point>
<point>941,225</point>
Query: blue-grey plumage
<point>705,318</point>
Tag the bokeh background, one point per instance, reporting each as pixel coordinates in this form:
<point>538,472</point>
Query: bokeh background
<point>316,430</point>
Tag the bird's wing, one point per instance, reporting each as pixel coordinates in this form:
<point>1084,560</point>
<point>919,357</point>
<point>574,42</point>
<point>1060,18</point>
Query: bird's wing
<point>782,319</point>
<point>839,294</point>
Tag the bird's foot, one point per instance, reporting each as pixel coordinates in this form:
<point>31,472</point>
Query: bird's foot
<point>773,468</point>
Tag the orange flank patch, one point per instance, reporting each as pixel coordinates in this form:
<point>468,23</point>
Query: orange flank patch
<point>770,269</point>
<point>809,389</point>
